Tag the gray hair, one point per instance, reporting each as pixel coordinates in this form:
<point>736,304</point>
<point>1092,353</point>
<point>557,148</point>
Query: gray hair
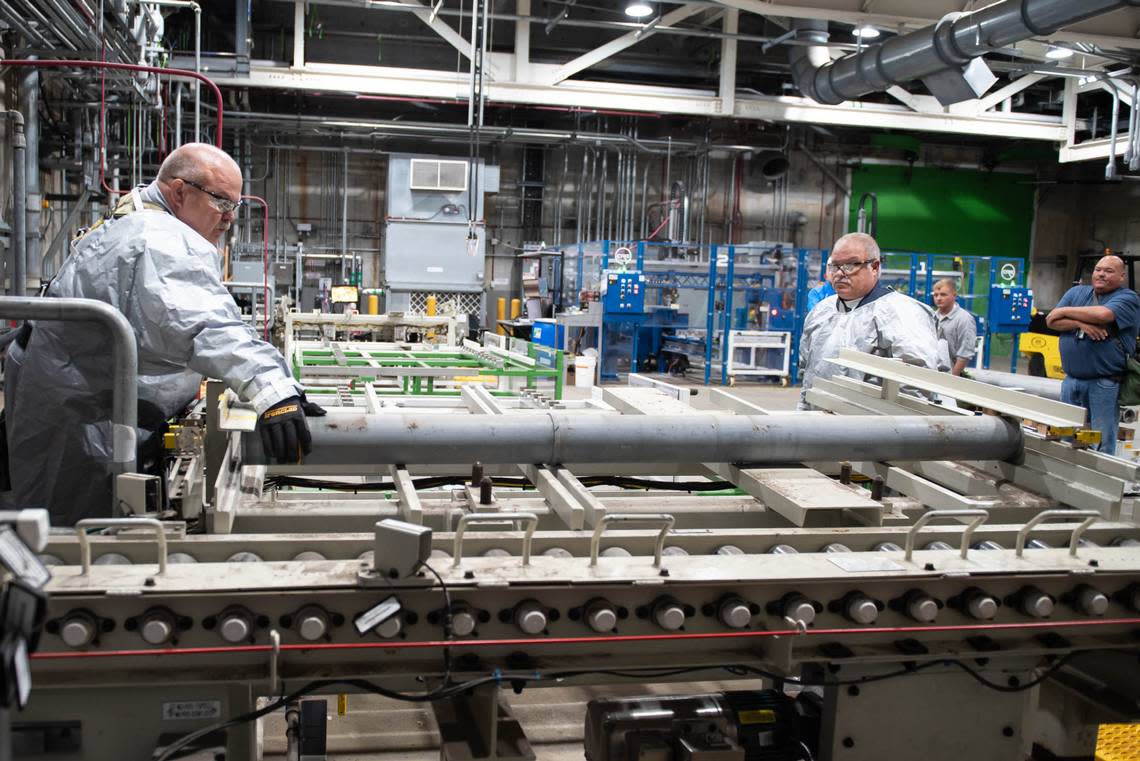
<point>192,160</point>
<point>863,241</point>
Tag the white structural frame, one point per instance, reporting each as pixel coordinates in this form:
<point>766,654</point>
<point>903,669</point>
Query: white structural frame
<point>752,342</point>
<point>513,78</point>
<point>1099,148</point>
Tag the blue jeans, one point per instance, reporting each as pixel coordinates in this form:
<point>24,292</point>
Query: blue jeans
<point>1098,396</point>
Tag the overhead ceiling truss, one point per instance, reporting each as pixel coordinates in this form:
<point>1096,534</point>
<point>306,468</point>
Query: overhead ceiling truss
<point>515,79</point>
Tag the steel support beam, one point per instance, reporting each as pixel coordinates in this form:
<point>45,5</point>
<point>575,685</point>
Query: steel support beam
<point>522,42</point>
<point>731,25</point>
<point>298,34</point>
<point>381,80</point>
<point>599,54</point>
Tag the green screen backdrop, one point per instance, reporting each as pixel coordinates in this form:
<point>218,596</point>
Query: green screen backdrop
<point>948,211</point>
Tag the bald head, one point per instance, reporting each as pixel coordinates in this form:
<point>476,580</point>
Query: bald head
<point>860,242</point>
<point>193,161</point>
<point>196,179</point>
<point>1108,275</point>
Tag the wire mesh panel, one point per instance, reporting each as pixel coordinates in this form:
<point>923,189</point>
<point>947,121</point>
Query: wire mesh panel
<point>455,302</point>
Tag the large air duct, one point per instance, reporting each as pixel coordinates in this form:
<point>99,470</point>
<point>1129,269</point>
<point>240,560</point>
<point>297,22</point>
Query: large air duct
<point>946,55</point>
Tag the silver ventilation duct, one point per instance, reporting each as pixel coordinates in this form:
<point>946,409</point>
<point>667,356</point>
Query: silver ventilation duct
<point>945,56</point>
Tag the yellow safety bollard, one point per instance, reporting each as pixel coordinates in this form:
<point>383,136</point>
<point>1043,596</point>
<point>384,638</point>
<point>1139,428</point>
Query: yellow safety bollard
<point>502,312</point>
<point>516,308</point>
<point>373,304</point>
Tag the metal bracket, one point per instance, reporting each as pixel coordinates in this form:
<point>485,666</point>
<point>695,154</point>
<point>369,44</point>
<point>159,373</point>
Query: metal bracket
<point>85,540</point>
<point>1090,516</point>
<point>666,520</point>
<point>979,516</point>
<point>530,519</point>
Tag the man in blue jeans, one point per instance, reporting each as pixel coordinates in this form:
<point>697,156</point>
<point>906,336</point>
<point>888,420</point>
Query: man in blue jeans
<point>1098,325</point>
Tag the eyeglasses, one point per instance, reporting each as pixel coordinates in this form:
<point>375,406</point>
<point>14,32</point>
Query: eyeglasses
<point>221,203</point>
<point>849,268</point>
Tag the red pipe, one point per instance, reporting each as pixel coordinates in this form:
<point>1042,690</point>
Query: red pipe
<point>264,259</point>
<point>49,63</point>
<point>525,642</point>
<point>104,65</point>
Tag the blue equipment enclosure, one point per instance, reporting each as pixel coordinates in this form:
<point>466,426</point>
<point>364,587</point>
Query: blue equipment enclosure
<point>546,333</point>
<point>1010,310</point>
<point>624,292</point>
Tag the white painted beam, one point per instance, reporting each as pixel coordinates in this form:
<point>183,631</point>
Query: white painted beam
<point>893,20</point>
<point>599,54</point>
<point>381,80</point>
<point>1013,88</point>
<point>452,37</point>
<point>522,42</point>
<point>730,25</point>
<point>298,34</point>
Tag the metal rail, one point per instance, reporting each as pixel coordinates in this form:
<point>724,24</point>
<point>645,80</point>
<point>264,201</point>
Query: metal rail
<point>124,358</point>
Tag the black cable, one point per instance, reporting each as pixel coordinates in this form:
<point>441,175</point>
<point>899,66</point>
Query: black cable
<point>446,691</point>
<point>446,624</point>
<point>1021,687</point>
<point>436,482</point>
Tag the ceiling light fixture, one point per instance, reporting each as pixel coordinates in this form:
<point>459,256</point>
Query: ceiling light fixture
<point>1057,54</point>
<point>638,10</point>
<point>865,32</point>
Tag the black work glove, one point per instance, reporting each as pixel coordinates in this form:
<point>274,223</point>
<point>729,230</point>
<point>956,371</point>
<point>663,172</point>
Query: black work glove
<point>284,433</point>
<point>310,409</point>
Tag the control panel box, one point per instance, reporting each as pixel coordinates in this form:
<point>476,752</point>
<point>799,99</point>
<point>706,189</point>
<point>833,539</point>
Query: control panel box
<point>623,292</point>
<point>1011,309</point>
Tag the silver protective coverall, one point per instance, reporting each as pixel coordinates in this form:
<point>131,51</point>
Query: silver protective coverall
<point>885,323</point>
<point>165,278</point>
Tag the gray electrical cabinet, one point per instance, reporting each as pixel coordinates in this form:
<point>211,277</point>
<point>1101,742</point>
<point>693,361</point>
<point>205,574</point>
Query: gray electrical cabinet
<point>426,245</point>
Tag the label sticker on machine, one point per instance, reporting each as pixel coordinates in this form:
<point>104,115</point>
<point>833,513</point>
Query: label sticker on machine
<point>372,618</point>
<point>192,709</point>
<point>757,716</point>
<point>856,564</point>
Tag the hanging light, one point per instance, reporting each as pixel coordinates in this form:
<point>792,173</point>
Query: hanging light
<point>1057,54</point>
<point>865,32</point>
<point>638,10</point>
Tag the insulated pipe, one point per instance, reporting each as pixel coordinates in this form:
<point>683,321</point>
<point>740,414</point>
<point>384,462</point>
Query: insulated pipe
<point>1134,130</point>
<point>949,44</point>
<point>124,359</point>
<point>1046,388</point>
<point>39,63</point>
<point>31,201</point>
<point>560,437</point>
<point>1110,171</point>
<point>18,251</point>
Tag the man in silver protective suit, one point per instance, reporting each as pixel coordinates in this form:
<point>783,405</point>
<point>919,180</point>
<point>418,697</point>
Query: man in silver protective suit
<point>155,259</point>
<point>863,315</point>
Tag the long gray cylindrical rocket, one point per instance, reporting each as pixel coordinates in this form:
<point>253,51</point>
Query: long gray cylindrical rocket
<point>1046,388</point>
<point>560,437</point>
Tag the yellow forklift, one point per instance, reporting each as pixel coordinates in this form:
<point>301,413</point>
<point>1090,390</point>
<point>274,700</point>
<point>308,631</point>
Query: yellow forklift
<point>1042,344</point>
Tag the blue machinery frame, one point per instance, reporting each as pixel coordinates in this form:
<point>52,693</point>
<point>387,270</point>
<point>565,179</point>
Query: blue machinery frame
<point>918,282</point>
